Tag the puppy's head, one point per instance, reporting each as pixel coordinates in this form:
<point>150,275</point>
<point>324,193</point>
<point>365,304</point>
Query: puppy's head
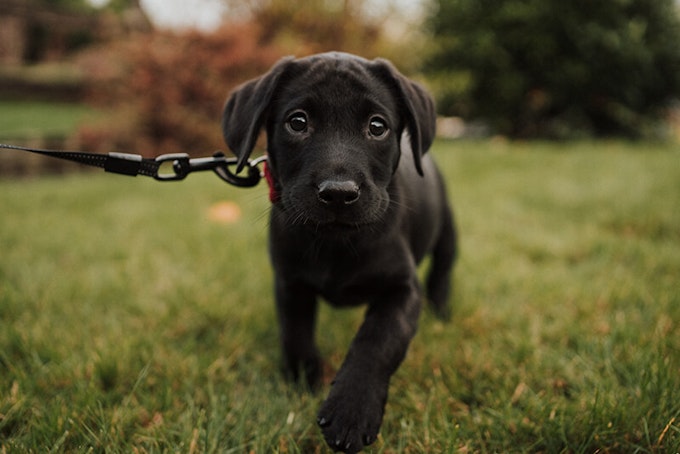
<point>334,126</point>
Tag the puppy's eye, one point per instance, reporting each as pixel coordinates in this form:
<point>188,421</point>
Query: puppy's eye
<point>297,122</point>
<point>377,127</point>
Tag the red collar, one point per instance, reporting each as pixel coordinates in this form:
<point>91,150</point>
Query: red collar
<point>274,195</point>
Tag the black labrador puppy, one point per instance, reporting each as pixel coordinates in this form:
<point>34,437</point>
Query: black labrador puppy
<point>351,218</point>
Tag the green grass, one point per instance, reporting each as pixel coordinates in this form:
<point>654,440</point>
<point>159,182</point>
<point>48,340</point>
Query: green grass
<point>29,119</point>
<point>131,322</point>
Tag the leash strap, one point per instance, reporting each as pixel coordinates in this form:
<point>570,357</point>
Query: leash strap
<point>179,164</point>
<point>121,163</point>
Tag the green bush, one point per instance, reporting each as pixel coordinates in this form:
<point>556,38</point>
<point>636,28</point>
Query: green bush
<point>552,68</point>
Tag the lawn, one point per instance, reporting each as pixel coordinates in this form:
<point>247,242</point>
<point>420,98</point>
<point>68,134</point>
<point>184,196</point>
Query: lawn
<point>30,119</point>
<point>131,320</point>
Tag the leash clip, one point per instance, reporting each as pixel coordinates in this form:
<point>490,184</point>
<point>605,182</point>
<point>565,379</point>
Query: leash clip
<point>182,166</point>
<point>250,180</point>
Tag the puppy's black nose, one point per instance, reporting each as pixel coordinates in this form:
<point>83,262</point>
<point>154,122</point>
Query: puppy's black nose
<point>338,193</point>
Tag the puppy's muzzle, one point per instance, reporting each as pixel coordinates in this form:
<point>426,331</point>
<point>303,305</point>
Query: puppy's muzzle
<point>338,194</point>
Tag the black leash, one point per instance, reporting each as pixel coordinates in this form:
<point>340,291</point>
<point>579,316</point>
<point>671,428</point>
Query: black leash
<point>180,164</point>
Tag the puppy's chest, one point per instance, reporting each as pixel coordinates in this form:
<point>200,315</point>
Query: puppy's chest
<point>346,289</point>
<point>346,279</point>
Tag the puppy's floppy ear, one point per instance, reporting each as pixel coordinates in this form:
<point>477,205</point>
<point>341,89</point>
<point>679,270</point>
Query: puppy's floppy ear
<point>417,108</point>
<point>246,110</point>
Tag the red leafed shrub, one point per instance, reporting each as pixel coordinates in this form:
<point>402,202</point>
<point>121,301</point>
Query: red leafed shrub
<point>165,91</point>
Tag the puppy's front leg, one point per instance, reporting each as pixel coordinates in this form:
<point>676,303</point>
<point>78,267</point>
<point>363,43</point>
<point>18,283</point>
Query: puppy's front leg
<point>350,417</point>
<point>296,307</point>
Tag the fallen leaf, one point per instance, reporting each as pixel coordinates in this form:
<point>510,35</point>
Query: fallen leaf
<point>224,212</point>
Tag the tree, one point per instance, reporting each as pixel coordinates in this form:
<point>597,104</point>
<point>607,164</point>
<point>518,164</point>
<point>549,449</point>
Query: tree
<point>369,28</point>
<point>65,5</point>
<point>556,69</point>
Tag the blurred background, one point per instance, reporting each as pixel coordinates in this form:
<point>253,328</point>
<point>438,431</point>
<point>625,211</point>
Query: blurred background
<point>151,76</point>
<point>136,317</point>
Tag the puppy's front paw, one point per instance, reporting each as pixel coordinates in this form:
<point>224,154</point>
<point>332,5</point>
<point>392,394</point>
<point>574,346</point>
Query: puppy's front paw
<point>350,418</point>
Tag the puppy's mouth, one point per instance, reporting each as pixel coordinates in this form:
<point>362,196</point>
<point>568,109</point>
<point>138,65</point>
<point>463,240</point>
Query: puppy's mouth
<point>332,224</point>
<point>341,227</point>
<point>325,221</point>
